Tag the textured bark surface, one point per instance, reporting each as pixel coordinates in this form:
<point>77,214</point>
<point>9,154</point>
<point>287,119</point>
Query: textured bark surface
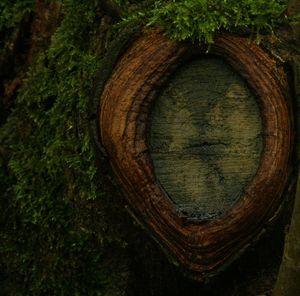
<point>31,37</point>
<point>104,252</point>
<point>288,282</point>
<point>200,246</point>
<point>205,137</point>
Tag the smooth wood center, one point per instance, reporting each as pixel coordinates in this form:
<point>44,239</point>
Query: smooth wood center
<point>205,137</point>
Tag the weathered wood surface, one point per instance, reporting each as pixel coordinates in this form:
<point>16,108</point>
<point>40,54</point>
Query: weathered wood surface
<point>202,247</point>
<point>205,137</point>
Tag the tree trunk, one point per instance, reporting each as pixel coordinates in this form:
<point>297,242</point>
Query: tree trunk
<point>288,282</point>
<point>64,225</point>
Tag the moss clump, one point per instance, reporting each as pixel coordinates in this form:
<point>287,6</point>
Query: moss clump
<point>56,238</point>
<point>13,11</point>
<point>200,20</point>
<point>51,232</point>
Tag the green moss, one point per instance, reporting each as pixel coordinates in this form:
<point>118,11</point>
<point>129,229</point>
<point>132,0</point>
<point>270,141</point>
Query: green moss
<point>13,15</point>
<point>50,143</point>
<point>13,11</point>
<point>200,20</point>
<point>55,237</point>
<point>48,174</point>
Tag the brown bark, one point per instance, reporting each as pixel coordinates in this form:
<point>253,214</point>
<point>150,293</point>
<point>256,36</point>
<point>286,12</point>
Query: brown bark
<point>200,246</point>
<point>150,272</point>
<point>288,282</point>
<point>30,38</point>
<point>112,9</point>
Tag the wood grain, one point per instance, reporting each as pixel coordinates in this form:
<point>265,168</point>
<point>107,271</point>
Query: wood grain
<point>205,137</point>
<point>201,246</point>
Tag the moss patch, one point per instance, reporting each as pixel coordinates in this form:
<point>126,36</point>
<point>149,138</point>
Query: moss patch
<point>52,228</point>
<point>200,20</point>
<point>60,217</point>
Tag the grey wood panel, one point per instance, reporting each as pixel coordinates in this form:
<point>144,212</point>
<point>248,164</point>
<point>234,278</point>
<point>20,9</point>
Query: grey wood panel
<point>205,137</point>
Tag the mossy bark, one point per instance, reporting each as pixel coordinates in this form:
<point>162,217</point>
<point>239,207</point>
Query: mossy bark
<point>66,243</point>
<point>288,282</point>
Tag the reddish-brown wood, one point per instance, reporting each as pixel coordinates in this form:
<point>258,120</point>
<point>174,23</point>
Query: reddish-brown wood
<point>202,247</point>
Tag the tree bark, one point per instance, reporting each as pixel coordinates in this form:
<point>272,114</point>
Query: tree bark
<point>288,282</point>
<point>100,250</point>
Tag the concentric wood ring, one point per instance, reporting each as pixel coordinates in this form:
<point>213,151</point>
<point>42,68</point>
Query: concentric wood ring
<point>200,246</point>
